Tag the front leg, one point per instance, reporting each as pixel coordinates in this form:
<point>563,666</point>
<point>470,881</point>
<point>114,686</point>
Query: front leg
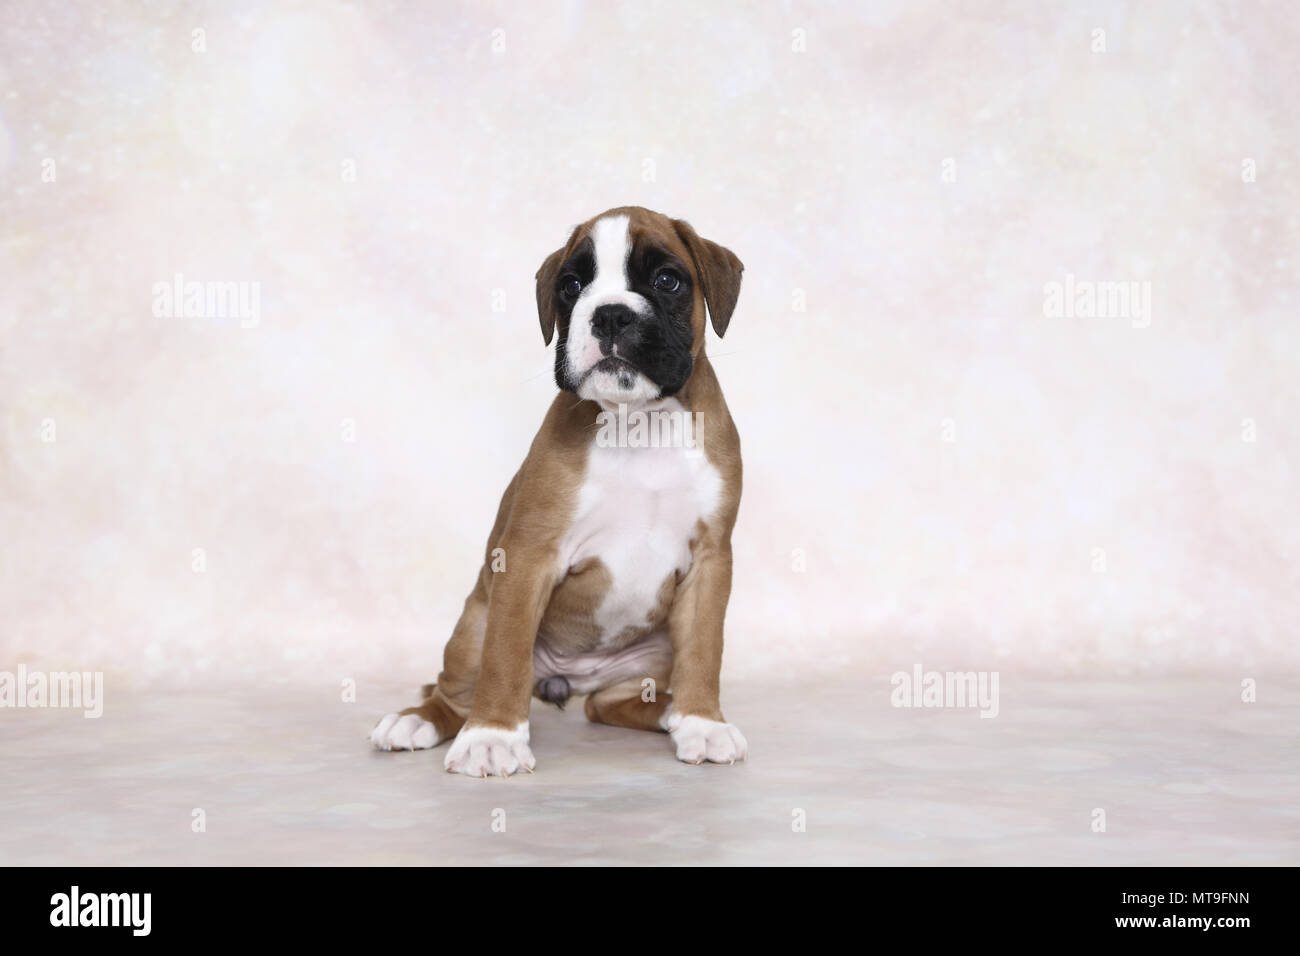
<point>695,625</point>
<point>494,739</point>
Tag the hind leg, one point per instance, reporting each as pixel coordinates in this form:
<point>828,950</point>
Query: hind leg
<point>635,692</point>
<point>626,705</point>
<point>636,702</point>
<point>446,703</point>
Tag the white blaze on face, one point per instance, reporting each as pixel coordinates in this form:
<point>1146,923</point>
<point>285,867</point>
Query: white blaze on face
<point>612,245</point>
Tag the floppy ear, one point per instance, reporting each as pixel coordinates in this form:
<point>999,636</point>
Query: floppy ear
<point>548,309</point>
<point>719,272</point>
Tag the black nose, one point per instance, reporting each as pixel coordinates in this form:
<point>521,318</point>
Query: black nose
<point>609,320</point>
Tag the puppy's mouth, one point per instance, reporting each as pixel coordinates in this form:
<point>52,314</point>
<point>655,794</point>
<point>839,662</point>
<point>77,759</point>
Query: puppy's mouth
<point>623,371</point>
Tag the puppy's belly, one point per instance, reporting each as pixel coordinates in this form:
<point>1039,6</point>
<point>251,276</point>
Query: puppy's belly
<point>599,630</point>
<point>648,656</point>
<point>593,612</point>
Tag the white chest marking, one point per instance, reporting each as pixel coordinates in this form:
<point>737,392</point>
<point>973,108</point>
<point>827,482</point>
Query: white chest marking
<point>637,511</point>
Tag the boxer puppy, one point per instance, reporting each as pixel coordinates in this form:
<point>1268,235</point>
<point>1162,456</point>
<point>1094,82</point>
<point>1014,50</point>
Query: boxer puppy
<point>608,569</point>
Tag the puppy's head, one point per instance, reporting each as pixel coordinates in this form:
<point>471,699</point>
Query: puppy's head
<point>627,294</point>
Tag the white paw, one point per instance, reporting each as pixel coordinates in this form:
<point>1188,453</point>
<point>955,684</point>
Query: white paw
<point>490,752</point>
<point>699,739</point>
<point>410,732</point>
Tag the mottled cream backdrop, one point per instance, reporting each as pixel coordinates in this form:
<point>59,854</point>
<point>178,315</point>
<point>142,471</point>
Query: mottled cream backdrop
<point>936,469</point>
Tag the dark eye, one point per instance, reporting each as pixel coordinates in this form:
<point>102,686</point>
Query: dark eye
<point>571,286</point>
<point>667,281</point>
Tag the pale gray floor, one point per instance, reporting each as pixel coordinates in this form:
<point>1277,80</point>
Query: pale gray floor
<point>1186,773</point>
